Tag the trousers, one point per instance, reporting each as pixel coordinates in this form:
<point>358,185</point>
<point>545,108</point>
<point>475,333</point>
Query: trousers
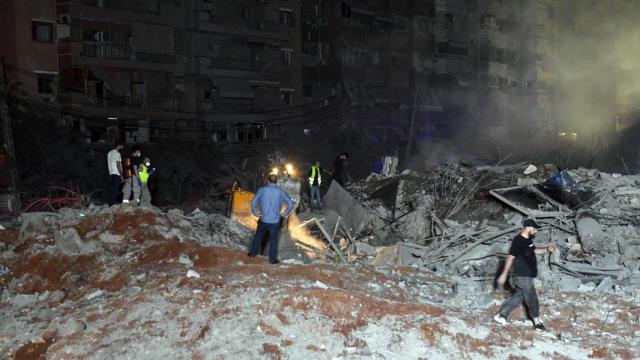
<point>145,195</point>
<point>130,184</point>
<point>114,187</point>
<point>524,291</point>
<point>315,195</point>
<point>263,228</point>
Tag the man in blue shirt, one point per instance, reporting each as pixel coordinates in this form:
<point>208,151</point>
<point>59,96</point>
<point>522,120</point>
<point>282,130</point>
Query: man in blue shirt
<point>266,205</point>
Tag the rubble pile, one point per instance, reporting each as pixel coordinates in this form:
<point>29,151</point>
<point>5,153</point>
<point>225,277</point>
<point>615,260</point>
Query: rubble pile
<point>407,272</point>
<point>459,220</point>
<point>120,282</point>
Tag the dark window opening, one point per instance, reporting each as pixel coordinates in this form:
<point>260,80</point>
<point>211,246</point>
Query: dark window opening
<point>447,48</point>
<point>219,135</point>
<point>250,133</point>
<point>285,17</point>
<point>42,31</point>
<point>45,84</point>
<point>346,10</point>
<point>448,19</point>
<point>307,90</point>
<point>286,98</point>
<point>287,57</point>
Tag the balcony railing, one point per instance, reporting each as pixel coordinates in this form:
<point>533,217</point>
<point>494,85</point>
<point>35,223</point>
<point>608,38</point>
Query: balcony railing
<point>107,50</point>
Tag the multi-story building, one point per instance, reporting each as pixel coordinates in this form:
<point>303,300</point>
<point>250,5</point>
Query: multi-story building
<point>142,69</point>
<point>28,38</point>
<point>466,65</point>
<point>372,50</point>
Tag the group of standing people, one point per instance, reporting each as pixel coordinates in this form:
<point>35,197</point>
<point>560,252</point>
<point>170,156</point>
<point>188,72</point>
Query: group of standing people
<point>268,202</point>
<point>130,173</point>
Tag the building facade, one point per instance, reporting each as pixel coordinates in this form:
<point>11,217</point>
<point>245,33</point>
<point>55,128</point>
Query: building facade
<point>139,70</point>
<point>28,37</point>
<point>466,66</point>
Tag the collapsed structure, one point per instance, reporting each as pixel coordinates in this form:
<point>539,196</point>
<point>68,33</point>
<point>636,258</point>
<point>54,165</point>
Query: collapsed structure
<point>396,264</point>
<point>458,220</point>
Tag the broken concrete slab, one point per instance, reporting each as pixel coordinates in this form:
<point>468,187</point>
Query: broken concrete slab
<point>590,233</point>
<point>605,286</point>
<point>66,326</point>
<point>365,249</point>
<point>353,214</point>
<point>403,254</point>
<point>69,242</point>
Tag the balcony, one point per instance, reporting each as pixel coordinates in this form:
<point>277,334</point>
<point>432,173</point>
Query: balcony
<point>107,50</point>
<point>125,102</point>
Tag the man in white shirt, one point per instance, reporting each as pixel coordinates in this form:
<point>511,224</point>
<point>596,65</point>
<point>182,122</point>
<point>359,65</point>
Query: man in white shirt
<point>114,163</point>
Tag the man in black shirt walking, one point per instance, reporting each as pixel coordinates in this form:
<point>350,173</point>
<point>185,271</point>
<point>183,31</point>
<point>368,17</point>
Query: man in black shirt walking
<point>522,259</point>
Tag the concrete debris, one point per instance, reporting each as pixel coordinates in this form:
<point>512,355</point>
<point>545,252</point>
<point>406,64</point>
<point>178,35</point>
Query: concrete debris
<point>22,300</point>
<point>66,326</point>
<point>605,286</point>
<point>184,260</point>
<point>94,295</point>
<point>410,257</point>
<point>320,284</point>
<point>446,211</point>
<point>193,274</point>
<point>590,233</point>
<point>69,242</point>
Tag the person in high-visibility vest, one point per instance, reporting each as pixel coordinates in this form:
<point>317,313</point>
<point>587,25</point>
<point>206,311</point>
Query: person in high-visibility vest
<point>315,180</point>
<point>145,171</point>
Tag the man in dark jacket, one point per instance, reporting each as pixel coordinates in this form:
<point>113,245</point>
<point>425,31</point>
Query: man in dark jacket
<point>522,258</point>
<point>340,170</point>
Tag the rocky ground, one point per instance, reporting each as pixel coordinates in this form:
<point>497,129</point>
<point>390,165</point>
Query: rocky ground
<point>131,284</point>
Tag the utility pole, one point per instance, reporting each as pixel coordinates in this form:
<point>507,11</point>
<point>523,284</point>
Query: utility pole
<point>413,121</point>
<point>10,162</point>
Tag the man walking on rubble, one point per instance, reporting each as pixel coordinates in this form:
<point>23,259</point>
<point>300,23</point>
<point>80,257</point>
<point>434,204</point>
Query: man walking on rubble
<point>266,205</point>
<point>315,180</point>
<point>114,163</point>
<point>522,258</point>
<point>132,177</point>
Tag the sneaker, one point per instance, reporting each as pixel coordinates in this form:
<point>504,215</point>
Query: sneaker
<point>275,262</point>
<point>500,319</point>
<point>539,327</point>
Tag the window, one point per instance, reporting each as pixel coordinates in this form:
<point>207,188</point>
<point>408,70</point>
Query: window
<point>287,55</point>
<point>45,84</point>
<point>285,17</point>
<point>249,132</point>
<point>375,58</point>
<point>346,11</point>
<point>307,90</point>
<point>286,97</point>
<point>207,6</point>
<point>42,31</point>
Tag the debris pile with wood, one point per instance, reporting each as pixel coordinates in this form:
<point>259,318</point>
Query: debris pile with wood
<point>460,220</point>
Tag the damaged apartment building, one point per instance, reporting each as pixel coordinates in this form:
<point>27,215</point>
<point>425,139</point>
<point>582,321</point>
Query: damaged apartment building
<point>228,71</point>
<point>150,69</point>
<point>474,65</point>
